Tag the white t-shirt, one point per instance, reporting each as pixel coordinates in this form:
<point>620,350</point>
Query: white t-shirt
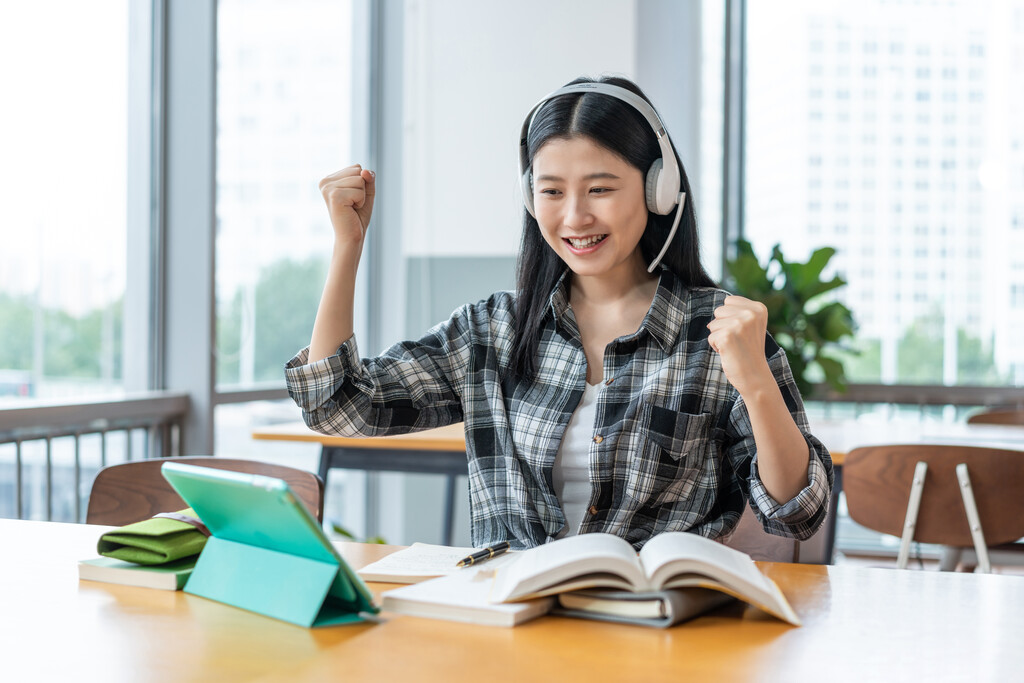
<point>571,474</point>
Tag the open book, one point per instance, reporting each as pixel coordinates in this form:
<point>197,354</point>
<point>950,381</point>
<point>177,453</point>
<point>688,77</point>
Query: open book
<point>669,560</point>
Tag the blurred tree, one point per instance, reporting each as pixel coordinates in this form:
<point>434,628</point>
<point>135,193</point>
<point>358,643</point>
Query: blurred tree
<point>15,333</point>
<point>229,339</point>
<point>286,301</point>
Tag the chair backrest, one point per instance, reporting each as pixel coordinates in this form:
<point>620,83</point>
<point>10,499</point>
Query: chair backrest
<point>998,417</point>
<point>750,537</point>
<point>133,491</point>
<point>877,481</point>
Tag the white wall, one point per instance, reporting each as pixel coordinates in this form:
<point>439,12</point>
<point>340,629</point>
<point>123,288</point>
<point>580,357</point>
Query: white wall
<point>472,72</point>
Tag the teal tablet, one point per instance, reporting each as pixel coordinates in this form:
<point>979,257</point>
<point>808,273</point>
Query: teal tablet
<point>266,552</point>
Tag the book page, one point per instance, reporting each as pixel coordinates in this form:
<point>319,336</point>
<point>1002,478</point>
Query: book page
<point>583,561</point>
<point>676,548</point>
<point>463,597</point>
<point>677,559</point>
<point>418,562</point>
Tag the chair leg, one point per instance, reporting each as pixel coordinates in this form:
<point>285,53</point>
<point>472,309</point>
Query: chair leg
<point>950,558</point>
<point>977,533</point>
<point>913,506</point>
<point>449,509</point>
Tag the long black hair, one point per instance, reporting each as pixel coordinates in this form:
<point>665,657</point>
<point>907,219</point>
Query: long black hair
<point>619,127</point>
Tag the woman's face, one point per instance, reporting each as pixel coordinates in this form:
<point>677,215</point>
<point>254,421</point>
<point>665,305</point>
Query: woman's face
<point>590,206</point>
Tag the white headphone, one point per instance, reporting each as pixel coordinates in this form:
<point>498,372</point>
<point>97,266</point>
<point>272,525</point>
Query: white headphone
<point>661,184</point>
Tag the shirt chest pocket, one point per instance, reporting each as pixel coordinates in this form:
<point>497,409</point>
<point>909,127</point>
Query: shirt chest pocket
<point>674,455</point>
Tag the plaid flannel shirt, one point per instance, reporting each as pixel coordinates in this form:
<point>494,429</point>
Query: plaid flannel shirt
<point>673,448</point>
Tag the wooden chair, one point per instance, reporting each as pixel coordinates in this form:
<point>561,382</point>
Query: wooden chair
<point>750,537</point>
<point>998,417</point>
<point>888,490</point>
<point>133,491</point>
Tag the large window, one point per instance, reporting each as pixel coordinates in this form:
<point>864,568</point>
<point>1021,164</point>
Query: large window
<point>894,132</point>
<point>284,121</point>
<point>708,185</point>
<point>64,75</point>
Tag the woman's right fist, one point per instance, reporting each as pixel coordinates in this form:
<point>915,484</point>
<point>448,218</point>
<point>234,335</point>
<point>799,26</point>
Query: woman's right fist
<point>349,196</point>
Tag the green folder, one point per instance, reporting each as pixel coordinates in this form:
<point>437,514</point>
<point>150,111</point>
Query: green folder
<point>266,552</point>
<point>154,541</point>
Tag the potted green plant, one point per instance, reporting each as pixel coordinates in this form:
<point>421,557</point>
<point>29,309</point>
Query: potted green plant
<point>810,329</point>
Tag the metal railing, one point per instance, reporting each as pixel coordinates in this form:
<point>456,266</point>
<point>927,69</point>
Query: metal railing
<point>925,395</point>
<point>43,442</point>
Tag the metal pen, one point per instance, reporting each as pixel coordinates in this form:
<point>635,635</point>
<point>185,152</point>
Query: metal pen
<point>485,554</point>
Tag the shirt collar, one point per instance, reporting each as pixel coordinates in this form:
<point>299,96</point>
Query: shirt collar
<point>558,303</point>
<point>664,320</point>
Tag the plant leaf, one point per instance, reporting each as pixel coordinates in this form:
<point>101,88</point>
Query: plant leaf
<point>342,531</point>
<point>835,375</point>
<point>816,288</point>
<point>809,274</point>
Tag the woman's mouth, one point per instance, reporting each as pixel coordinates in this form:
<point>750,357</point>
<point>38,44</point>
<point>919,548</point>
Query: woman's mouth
<point>584,244</point>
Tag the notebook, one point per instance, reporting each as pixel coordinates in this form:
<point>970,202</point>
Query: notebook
<point>464,596</point>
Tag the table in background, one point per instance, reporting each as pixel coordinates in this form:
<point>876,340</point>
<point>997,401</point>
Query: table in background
<point>843,436</point>
<point>859,625</point>
<point>443,451</point>
<point>435,451</point>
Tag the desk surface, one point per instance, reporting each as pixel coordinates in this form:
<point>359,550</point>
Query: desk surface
<point>859,624</point>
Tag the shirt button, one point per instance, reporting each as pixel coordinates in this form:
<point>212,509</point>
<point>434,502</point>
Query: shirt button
<point>598,439</point>
<point>592,509</point>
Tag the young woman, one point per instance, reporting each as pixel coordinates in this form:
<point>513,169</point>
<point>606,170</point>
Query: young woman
<point>616,389</point>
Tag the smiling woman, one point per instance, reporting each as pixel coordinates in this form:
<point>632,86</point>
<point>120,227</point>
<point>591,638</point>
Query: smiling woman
<point>604,394</point>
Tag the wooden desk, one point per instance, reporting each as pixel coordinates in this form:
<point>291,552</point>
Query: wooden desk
<point>859,625</point>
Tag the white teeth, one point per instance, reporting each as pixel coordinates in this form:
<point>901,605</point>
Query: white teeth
<point>586,241</point>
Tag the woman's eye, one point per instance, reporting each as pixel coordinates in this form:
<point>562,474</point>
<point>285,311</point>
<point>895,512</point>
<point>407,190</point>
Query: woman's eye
<point>549,191</point>
<point>600,190</point>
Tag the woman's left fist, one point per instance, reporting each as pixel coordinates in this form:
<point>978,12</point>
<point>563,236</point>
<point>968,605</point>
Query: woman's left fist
<point>737,334</point>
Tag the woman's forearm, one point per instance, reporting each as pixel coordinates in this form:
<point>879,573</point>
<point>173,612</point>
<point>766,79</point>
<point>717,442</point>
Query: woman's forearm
<point>334,316</point>
<point>782,450</point>
<point>349,194</point>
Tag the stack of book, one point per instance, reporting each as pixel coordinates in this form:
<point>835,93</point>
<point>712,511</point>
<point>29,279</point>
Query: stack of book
<point>676,577</point>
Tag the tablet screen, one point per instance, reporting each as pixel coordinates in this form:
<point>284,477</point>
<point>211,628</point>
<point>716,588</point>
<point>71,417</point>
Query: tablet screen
<point>251,509</point>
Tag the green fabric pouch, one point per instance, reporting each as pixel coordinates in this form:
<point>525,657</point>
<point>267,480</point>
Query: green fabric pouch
<point>157,540</point>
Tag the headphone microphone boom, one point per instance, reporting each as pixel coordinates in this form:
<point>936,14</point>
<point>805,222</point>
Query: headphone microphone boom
<point>662,182</point>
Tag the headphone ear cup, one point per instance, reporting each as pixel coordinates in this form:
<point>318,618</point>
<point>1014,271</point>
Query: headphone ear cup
<point>526,185</point>
<point>651,185</point>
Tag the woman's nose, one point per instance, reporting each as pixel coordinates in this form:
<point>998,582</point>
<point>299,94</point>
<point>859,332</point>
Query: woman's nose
<point>577,211</point>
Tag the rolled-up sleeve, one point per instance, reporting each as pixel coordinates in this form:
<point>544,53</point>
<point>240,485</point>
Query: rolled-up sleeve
<point>805,512</point>
<point>801,516</point>
<point>413,385</point>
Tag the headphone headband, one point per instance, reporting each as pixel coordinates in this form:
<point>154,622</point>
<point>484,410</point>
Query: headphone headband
<point>639,103</point>
<point>662,184</point>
